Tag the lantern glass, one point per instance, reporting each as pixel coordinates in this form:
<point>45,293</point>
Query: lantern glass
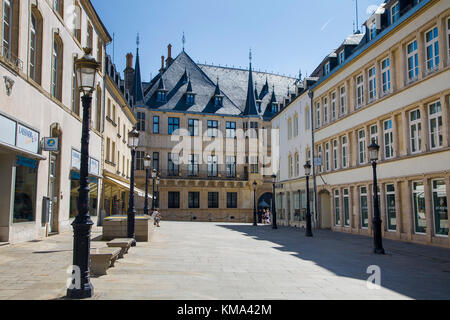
<point>274,178</point>
<point>374,150</point>
<point>133,138</point>
<point>157,181</point>
<point>147,161</point>
<point>154,174</point>
<point>307,169</point>
<point>86,69</point>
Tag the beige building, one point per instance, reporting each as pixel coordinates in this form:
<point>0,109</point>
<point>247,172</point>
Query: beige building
<point>116,153</point>
<point>208,139</point>
<point>39,98</point>
<point>394,88</point>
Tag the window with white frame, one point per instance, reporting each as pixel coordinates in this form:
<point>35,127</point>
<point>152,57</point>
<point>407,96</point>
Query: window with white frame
<point>318,115</point>
<point>435,118</point>
<point>448,38</point>
<point>388,140</point>
<point>307,118</point>
<point>319,155</point>
<point>341,57</point>
<point>327,156</point>
<point>385,76</point>
<point>432,49</point>
<point>335,154</point>
<point>359,91</point>
<point>327,68</point>
<point>374,133</point>
<point>395,12</point>
<point>333,106</point>
<point>325,110</point>
<point>344,152</point>
<point>290,166</point>
<point>231,130</point>
<point>7,21</point>
<point>337,208</point>
<point>297,164</point>
<point>362,146</point>
<point>372,84</point>
<point>412,59</point>
<point>289,128</point>
<point>343,100</point>
<point>372,31</point>
<point>415,131</point>
<point>296,125</point>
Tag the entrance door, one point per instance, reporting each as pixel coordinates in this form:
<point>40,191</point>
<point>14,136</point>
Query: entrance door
<point>325,210</point>
<point>52,193</point>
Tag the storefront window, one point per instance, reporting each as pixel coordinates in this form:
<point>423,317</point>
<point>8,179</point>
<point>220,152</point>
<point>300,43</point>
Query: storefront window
<point>440,207</point>
<point>390,207</point>
<point>419,207</point>
<point>364,208</point>
<point>93,195</point>
<point>25,190</point>
<point>337,207</point>
<point>346,208</point>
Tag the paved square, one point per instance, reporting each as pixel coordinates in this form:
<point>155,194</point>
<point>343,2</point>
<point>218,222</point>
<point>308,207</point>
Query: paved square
<point>234,261</point>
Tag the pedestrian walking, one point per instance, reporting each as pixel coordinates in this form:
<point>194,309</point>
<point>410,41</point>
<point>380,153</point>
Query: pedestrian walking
<point>156,218</point>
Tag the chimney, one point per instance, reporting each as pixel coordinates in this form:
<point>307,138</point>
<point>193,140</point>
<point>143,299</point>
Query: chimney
<point>162,64</point>
<point>129,60</point>
<point>169,56</point>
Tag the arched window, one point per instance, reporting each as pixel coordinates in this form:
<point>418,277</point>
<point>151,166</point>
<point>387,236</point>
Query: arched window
<point>58,5</point>
<point>98,116</point>
<point>77,21</point>
<point>10,30</point>
<point>57,67</point>
<point>35,69</point>
<point>297,164</point>
<point>295,125</point>
<point>307,118</point>
<point>100,53</point>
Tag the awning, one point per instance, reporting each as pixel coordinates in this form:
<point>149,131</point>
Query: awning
<point>23,152</point>
<point>139,192</point>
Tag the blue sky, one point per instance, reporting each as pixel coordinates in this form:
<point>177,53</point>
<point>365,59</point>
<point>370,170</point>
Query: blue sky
<point>285,35</point>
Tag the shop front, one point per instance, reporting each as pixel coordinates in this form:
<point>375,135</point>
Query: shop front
<point>19,166</point>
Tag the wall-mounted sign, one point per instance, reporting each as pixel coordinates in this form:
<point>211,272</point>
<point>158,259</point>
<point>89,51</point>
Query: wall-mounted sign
<point>94,167</point>
<point>76,159</point>
<point>27,139</point>
<point>51,144</point>
<point>317,162</point>
<point>8,132</point>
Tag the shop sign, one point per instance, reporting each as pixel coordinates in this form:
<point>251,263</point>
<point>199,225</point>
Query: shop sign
<point>51,144</point>
<point>27,139</point>
<point>318,162</point>
<point>94,167</point>
<point>76,159</point>
<point>8,132</point>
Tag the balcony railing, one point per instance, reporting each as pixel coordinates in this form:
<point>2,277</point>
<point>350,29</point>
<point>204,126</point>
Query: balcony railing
<point>184,173</point>
<point>11,58</point>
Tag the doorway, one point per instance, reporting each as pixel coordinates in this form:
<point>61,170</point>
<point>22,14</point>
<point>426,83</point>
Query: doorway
<point>325,210</point>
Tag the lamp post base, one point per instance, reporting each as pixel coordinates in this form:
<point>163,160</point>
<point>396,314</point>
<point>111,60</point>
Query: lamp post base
<point>133,243</point>
<point>84,293</point>
<point>309,234</point>
<point>379,251</point>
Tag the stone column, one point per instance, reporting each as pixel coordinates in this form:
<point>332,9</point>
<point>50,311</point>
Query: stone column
<point>383,211</point>
<point>353,145</point>
<point>351,94</point>
<point>428,208</point>
<point>398,208</point>
<point>395,136</point>
<point>425,128</point>
<point>408,213</point>
<point>421,55</point>
<point>394,67</point>
<point>378,79</point>
<point>445,120</point>
<point>443,50</point>
<point>381,138</point>
<point>405,148</point>
<point>399,69</point>
<point>341,209</point>
<point>356,208</point>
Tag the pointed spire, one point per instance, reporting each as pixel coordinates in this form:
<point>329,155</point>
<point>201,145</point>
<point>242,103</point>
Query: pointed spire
<point>137,91</point>
<point>250,104</point>
<point>161,86</point>
<point>189,87</point>
<point>184,77</point>
<point>274,97</point>
<point>183,40</point>
<point>217,91</point>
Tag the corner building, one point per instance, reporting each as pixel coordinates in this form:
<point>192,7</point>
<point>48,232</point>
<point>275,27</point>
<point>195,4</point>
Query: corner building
<point>394,88</point>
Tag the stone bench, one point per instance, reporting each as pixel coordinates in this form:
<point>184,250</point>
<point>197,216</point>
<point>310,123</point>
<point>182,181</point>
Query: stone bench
<point>124,244</point>
<point>102,259</point>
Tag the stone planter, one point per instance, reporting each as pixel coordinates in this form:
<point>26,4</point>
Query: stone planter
<point>116,227</point>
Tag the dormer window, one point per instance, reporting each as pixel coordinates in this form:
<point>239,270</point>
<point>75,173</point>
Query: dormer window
<point>258,105</point>
<point>190,98</point>
<point>161,96</point>
<point>274,107</point>
<point>327,68</point>
<point>218,101</point>
<point>395,12</point>
<point>341,57</point>
<point>372,31</point>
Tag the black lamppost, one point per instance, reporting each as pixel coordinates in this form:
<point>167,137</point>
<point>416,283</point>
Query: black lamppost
<point>254,204</point>
<point>81,288</point>
<point>274,210</point>
<point>133,143</point>
<point>147,166</point>
<point>154,173</point>
<point>374,149</point>
<point>157,192</point>
<point>308,203</point>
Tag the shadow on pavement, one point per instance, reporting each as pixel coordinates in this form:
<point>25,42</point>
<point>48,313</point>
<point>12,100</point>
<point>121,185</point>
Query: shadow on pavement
<point>416,271</point>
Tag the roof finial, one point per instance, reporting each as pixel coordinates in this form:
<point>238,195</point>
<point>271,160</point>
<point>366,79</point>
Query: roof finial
<point>250,56</point>
<point>300,74</point>
<point>137,40</point>
<point>183,40</point>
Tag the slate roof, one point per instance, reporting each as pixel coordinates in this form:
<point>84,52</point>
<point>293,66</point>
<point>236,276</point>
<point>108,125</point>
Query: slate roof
<point>233,85</point>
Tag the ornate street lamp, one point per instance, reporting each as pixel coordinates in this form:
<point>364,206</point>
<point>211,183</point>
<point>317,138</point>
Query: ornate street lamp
<point>86,69</point>
<point>274,210</point>
<point>158,181</point>
<point>154,174</point>
<point>374,150</point>
<point>308,204</point>
<point>254,204</point>
<point>133,143</point>
<point>147,166</point>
